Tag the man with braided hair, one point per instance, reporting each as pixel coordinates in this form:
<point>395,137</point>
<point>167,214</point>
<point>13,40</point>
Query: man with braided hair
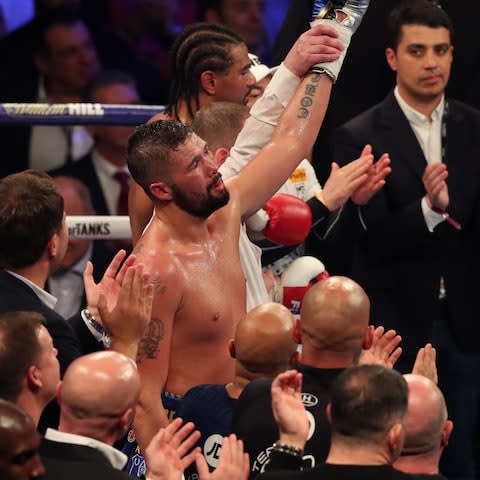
<point>209,63</point>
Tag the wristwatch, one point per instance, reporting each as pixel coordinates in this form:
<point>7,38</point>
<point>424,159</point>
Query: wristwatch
<point>97,326</point>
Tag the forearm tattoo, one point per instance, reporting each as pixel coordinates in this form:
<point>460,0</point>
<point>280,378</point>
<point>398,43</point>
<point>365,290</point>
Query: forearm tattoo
<point>148,346</point>
<point>307,100</point>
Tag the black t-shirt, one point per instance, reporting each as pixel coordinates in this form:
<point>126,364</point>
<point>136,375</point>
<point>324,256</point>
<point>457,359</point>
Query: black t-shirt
<point>253,420</point>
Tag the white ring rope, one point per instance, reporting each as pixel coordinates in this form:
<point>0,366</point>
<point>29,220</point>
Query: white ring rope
<point>99,227</point>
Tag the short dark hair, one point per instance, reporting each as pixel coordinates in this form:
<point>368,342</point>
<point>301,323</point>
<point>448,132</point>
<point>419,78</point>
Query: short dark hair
<point>149,148</point>
<point>201,46</point>
<point>19,350</point>
<point>367,400</point>
<point>106,78</point>
<point>415,12</point>
<point>219,123</point>
<point>31,211</point>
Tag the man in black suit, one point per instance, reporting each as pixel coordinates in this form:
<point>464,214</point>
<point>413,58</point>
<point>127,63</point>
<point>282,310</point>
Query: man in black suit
<point>416,254</point>
<point>101,168</point>
<point>33,242</point>
<point>66,283</point>
<point>97,400</point>
<point>58,71</point>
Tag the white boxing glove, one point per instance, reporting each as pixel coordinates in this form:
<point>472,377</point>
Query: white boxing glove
<point>298,278</point>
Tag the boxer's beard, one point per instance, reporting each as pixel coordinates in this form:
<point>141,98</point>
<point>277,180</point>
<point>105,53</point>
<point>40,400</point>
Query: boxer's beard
<point>201,209</point>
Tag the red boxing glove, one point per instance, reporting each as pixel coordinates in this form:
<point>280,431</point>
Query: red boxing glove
<point>297,280</point>
<point>288,220</point>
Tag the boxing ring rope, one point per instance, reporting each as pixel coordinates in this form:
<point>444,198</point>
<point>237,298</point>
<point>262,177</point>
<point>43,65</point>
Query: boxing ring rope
<point>75,114</point>
<point>93,226</point>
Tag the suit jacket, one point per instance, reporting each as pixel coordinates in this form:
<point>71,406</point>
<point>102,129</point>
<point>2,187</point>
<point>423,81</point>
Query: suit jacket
<point>15,295</point>
<point>397,260</point>
<point>76,462</point>
<point>101,257</point>
<point>84,170</point>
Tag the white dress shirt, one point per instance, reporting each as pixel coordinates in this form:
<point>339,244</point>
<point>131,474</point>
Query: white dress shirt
<point>105,171</point>
<point>429,135</point>
<point>116,458</point>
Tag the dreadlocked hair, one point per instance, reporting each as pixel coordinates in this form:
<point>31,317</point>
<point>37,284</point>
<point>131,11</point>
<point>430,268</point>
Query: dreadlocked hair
<point>201,46</point>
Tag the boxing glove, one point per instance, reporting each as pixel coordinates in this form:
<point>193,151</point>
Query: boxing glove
<point>298,278</point>
<point>284,219</point>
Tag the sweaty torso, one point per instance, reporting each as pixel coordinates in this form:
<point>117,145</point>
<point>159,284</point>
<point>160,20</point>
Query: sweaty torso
<point>207,285</point>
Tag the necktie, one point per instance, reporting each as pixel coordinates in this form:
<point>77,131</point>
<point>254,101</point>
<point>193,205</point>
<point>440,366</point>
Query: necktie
<point>123,178</point>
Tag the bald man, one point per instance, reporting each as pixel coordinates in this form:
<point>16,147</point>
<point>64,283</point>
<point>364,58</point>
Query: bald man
<point>263,346</point>
<point>19,444</point>
<point>333,330</point>
<point>97,400</point>
<point>427,429</point>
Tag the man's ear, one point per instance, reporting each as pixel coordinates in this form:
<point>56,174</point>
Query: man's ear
<point>395,440</point>
<point>161,191</point>
<point>297,332</point>
<point>208,82</point>
<point>391,58</point>
<point>220,155</point>
<point>58,392</point>
<point>231,348</point>
<point>126,420</point>
<point>34,380</point>
<point>52,246</point>
<point>295,358</point>
<point>446,432</point>
<point>328,411</point>
<point>368,337</point>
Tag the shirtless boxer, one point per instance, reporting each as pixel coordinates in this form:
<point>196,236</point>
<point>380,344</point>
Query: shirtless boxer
<point>191,243</point>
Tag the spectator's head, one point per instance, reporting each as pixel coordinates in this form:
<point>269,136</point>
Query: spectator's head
<point>246,17</point>
<point>263,75</point>
<point>176,169</point>
<point>420,50</point>
<point>65,54</point>
<point>19,444</point>
<point>334,323</point>
<point>427,427</point>
<point>98,396</point>
<point>77,201</point>
<point>112,87</point>
<point>367,411</point>
<point>264,342</point>
<point>32,223</point>
<point>209,63</point>
<point>30,370</point>
<point>219,124</point>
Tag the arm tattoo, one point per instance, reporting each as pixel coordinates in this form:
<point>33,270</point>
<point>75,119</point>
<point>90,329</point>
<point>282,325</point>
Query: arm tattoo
<point>307,101</point>
<point>148,346</point>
